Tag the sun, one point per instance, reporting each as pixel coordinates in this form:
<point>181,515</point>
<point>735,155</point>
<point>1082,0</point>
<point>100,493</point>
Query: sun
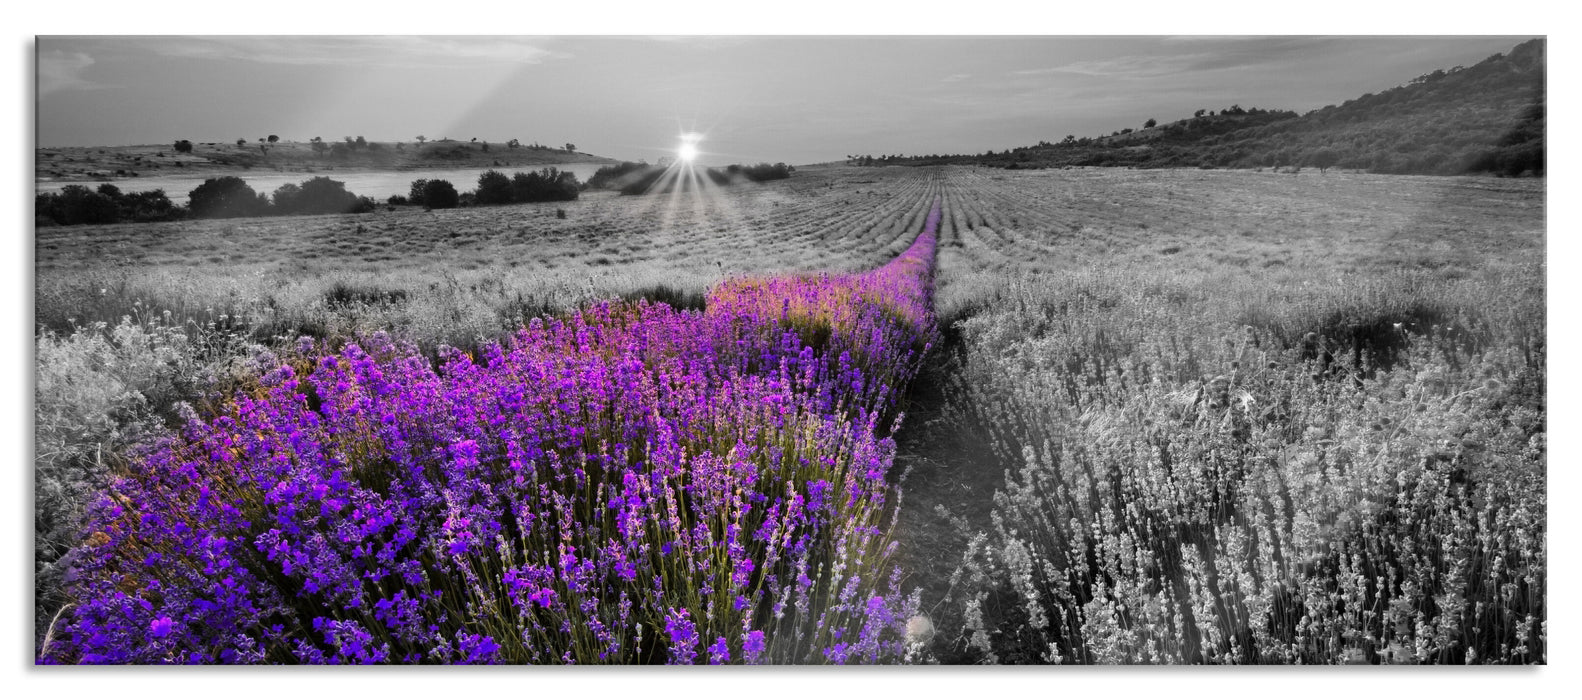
<point>688,151</point>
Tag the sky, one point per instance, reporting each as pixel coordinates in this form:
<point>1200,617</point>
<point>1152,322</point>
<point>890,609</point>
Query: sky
<point>794,99</point>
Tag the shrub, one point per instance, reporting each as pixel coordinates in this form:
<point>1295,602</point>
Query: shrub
<point>319,195</point>
<point>76,204</point>
<point>224,197</point>
<point>494,188</point>
<point>439,194</point>
<point>546,185</point>
<point>762,171</point>
<point>342,294</point>
<point>151,205</point>
<point>616,176</point>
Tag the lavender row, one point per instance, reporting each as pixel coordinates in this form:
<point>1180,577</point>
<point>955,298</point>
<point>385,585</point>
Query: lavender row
<point>629,484</point>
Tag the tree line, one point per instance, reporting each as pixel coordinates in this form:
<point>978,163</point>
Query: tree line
<point>231,197</point>
<point>640,177</point>
<point>494,187</point>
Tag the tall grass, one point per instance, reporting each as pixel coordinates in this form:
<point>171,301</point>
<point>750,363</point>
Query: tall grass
<point>100,389</point>
<point>1218,469</point>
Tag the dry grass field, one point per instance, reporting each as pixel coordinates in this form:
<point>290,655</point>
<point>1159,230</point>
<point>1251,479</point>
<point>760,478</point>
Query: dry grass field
<point>1178,415</point>
<point>458,275</point>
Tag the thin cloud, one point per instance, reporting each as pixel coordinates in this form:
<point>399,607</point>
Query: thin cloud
<point>701,41</point>
<point>1217,38</point>
<point>1125,66</point>
<point>1228,54</point>
<point>355,50</point>
<point>59,71</point>
<point>956,78</point>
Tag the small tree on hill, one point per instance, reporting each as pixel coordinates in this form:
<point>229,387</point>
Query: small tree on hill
<point>183,146</point>
<point>1151,123</point>
<point>273,138</point>
<point>421,139</point>
<point>571,147</point>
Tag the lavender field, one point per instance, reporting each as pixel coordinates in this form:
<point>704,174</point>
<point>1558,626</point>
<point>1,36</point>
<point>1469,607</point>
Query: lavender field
<point>1176,464</point>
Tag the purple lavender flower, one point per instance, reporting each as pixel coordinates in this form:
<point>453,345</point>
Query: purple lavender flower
<point>352,506</point>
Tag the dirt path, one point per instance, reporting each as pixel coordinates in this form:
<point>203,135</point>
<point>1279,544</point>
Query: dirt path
<point>948,482</point>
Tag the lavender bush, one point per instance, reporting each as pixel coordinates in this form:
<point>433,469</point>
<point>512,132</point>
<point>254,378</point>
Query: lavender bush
<point>627,484</point>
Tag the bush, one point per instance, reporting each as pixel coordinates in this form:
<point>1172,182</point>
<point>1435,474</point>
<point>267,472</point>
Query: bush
<point>344,294</point>
<point>547,185</point>
<point>76,204</point>
<point>440,194</point>
<point>225,197</point>
<point>617,176</point>
<point>183,146</point>
<point>320,195</point>
<point>494,188</point>
<point>151,205</point>
<point>762,171</point>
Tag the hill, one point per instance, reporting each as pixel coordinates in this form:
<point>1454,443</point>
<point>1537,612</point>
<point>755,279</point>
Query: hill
<point>98,163</point>
<point>1486,118</point>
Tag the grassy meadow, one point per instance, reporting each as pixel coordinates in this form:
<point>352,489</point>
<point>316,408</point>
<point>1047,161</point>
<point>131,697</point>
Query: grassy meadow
<point>1170,416</point>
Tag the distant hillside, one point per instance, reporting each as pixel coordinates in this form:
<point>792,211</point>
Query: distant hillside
<point>1486,118</point>
<point>98,163</point>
